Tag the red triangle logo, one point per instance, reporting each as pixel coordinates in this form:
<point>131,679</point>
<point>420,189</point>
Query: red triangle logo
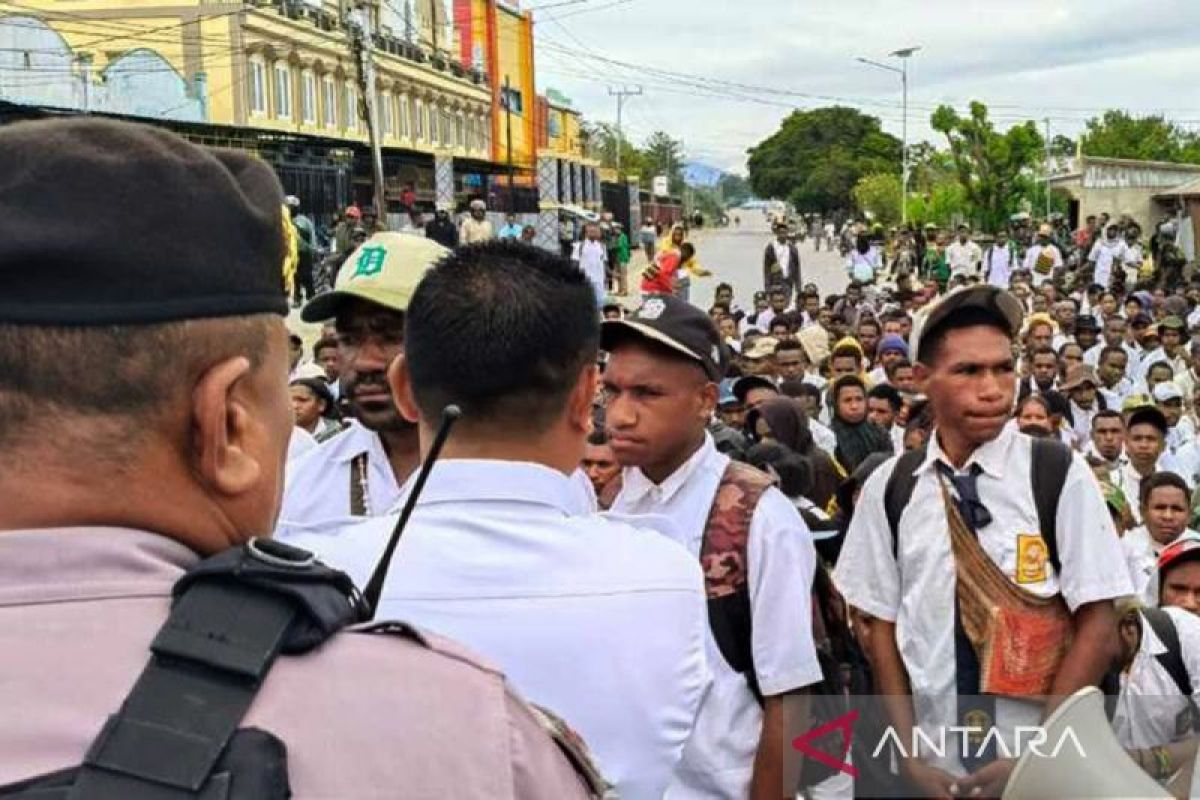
<point>843,724</point>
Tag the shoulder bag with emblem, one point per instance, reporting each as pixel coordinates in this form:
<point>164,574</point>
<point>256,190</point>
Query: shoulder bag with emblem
<point>176,735</point>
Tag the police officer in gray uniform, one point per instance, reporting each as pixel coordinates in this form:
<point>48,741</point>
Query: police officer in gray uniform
<point>144,421</point>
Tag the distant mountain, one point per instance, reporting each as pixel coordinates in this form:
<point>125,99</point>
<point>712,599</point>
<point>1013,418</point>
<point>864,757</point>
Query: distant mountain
<point>701,175</point>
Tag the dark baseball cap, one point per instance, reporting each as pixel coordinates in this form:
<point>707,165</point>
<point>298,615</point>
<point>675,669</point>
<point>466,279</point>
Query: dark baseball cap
<point>674,324</point>
<point>1086,322</point>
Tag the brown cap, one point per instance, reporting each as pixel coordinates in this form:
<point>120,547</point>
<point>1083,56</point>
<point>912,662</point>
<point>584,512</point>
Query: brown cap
<point>1001,303</point>
<point>1080,375</point>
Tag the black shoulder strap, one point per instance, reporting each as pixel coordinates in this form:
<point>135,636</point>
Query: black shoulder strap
<point>1172,660</point>
<point>232,615</point>
<point>899,491</point>
<point>1048,473</point>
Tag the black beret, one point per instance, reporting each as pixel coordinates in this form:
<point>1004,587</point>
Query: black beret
<point>105,222</point>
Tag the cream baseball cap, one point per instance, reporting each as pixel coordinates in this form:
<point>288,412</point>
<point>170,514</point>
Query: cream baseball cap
<point>384,270</point>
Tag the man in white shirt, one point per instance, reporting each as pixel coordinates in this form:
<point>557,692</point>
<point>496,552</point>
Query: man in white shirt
<point>963,255</point>
<point>1165,508</point>
<point>1181,430</point>
<point>1113,335</point>
<point>1115,387</point>
<point>1171,334</point>
<point>1107,254</point>
<point>661,388</point>
<point>781,263</point>
<point>1043,258</point>
<point>1081,386</point>
<point>999,260</point>
<point>592,618</point>
<point>904,586</point>
<point>476,227</point>
<point>358,473</point>
<point>1145,444</point>
<point>591,256</point>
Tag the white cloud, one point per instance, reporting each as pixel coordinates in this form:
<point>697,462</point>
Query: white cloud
<point>1027,59</point>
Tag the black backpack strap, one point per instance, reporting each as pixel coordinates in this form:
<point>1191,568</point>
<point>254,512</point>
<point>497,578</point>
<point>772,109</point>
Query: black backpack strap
<point>899,491</point>
<point>1172,660</point>
<point>232,615</point>
<point>1051,462</point>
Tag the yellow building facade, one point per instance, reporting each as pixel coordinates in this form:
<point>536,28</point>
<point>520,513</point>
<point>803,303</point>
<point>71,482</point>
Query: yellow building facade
<point>274,65</point>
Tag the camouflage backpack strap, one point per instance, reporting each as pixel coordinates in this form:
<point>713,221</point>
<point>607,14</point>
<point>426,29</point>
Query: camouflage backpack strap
<point>726,566</point>
<point>576,750</point>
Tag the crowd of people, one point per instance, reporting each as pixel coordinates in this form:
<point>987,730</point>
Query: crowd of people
<point>602,552</point>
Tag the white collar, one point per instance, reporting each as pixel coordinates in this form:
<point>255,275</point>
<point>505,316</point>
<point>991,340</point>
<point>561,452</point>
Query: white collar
<point>990,456</point>
<point>637,485</point>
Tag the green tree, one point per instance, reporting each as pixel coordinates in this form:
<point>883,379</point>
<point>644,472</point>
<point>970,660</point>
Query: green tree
<point>816,157</point>
<point>878,196</point>
<point>943,205</point>
<point>603,143</point>
<point>1151,138</point>
<point>663,155</point>
<point>990,166</point>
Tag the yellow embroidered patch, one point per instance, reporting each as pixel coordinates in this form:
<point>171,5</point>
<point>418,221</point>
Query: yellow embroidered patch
<point>1032,557</point>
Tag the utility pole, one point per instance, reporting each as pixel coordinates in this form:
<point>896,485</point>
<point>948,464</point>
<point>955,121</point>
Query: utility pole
<point>1047,121</point>
<point>622,95</point>
<point>903,54</point>
<point>512,200</point>
<point>359,26</point>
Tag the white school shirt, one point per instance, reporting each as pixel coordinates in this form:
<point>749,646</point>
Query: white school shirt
<point>719,758</point>
<point>783,256</point>
<point>963,259</point>
<point>1105,257</point>
<point>1031,257</point>
<point>317,484</point>
<point>916,590</point>
<point>592,258</point>
<point>601,622</point>
<point>999,266</point>
<point>1115,397</point>
<point>1149,703</point>
<point>1142,552</point>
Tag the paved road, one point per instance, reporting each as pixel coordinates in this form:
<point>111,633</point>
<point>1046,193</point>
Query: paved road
<point>735,256</point>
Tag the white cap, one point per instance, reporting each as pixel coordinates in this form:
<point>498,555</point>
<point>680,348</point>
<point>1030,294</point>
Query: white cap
<point>1166,391</point>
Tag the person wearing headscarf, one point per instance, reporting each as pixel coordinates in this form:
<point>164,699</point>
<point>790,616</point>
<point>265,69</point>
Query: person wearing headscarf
<point>857,438</point>
<point>782,420</point>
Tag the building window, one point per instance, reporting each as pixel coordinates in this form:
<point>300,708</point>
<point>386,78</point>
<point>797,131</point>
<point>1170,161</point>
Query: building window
<point>418,121</point>
<point>385,113</point>
<point>258,86</point>
<point>554,127</point>
<point>283,91</point>
<point>404,129</point>
<point>433,125</point>
<point>308,97</point>
<point>511,99</point>
<point>351,108</point>
<point>460,131</point>
<point>329,101</point>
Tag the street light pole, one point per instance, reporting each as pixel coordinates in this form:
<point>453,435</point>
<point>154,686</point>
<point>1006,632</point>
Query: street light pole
<point>903,54</point>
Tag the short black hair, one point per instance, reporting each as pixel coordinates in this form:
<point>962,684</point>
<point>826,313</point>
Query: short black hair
<point>324,343</point>
<point>1160,479</point>
<point>1044,350</point>
<point>846,382</point>
<point>598,437</point>
<point>502,329</point>
<point>886,392</point>
<point>1107,413</point>
<point>790,344</point>
<point>899,363</point>
<point>723,287</point>
<point>933,340</point>
<point>1161,365</point>
<point>1113,349</point>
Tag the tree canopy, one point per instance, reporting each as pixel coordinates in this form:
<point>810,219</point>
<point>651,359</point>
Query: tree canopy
<point>816,157</point>
<point>1152,138</point>
<point>994,169</point>
<point>878,196</point>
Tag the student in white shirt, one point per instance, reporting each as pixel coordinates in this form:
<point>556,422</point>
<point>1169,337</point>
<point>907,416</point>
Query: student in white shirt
<point>1043,258</point>
<point>964,356</point>
<point>591,256</point>
<point>1145,443</point>
<point>493,555</point>
<point>359,471</point>
<point>963,255</point>
<point>1113,335</point>
<point>999,261</point>
<point>1165,508</point>
<point>661,387</point>
<point>1107,254</point>
<point>1114,387</point>
<point>1081,387</point>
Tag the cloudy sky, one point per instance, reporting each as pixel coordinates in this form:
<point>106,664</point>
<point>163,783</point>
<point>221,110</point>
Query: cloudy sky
<point>721,74</point>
